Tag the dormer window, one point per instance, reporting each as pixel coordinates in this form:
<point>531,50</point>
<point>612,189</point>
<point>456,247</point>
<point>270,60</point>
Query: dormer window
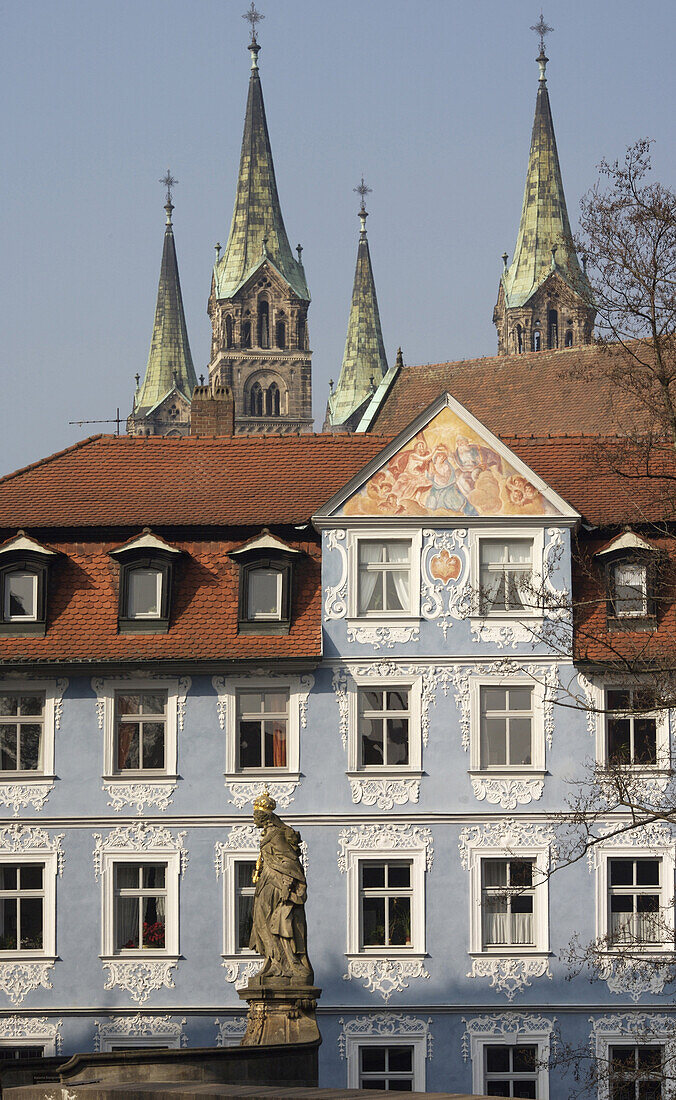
<point>146,568</point>
<point>630,589</point>
<point>23,585</point>
<point>630,563</point>
<point>265,583</point>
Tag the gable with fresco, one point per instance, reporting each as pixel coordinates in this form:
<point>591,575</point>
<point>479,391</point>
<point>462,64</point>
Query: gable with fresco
<point>452,466</point>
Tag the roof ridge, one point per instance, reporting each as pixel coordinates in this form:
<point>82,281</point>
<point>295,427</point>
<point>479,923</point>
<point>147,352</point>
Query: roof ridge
<point>50,458</point>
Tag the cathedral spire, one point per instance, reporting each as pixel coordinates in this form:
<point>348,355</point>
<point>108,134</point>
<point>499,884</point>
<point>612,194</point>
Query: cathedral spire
<point>364,359</point>
<point>544,245</point>
<point>170,367</point>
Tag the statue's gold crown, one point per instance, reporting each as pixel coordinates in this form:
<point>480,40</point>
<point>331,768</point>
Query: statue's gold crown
<point>264,801</point>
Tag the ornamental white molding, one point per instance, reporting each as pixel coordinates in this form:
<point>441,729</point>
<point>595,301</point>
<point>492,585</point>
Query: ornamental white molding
<point>23,839</point>
<point>509,835</point>
<point>385,793</point>
<point>139,1027</point>
<point>139,794</point>
<point>445,590</point>
<point>647,790</point>
<point>505,635</point>
<point>554,550</point>
<point>635,977</point>
<point>386,1025</point>
<point>385,976</point>
<point>510,975</point>
<point>138,977</point>
<point>301,686</point>
<point>245,839</point>
<point>230,1031</point>
<point>335,602</point>
<point>339,683</point>
<point>385,836</point>
<point>507,793</point>
<point>37,1028</point>
<point>638,1025</point>
<point>505,1025</point>
<point>656,834</point>
<point>17,979</point>
<point>240,972</point>
<point>19,795</point>
<point>545,675</point>
<point>99,687</point>
<point>219,686</point>
<point>385,637</point>
<point>60,687</point>
<point>245,791</point>
<point>141,837</point>
<point>589,702</point>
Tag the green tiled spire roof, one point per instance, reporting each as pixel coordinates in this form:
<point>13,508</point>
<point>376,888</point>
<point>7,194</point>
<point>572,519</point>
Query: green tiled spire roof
<point>257,228</point>
<point>544,217</point>
<point>169,359</point>
<point>364,359</point>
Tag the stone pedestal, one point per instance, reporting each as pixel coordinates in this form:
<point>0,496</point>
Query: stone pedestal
<point>280,1012</point>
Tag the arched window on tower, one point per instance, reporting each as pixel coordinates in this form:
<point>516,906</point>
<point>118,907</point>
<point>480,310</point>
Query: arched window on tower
<point>228,331</point>
<point>246,334</point>
<point>272,400</point>
<point>552,329</point>
<point>263,324</point>
<point>300,332</point>
<point>256,400</point>
<point>280,334</point>
<point>519,339</point>
<point>536,340</point>
<point>569,339</point>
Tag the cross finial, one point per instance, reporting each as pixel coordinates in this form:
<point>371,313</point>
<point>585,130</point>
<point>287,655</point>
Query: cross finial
<point>253,17</point>
<point>363,191</point>
<point>542,29</point>
<point>168,182</point>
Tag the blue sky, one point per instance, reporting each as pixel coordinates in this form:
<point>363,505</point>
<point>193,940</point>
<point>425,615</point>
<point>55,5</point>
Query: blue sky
<point>432,100</point>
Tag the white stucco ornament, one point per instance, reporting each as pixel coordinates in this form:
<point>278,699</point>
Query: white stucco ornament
<point>385,976</point>
<point>510,975</point>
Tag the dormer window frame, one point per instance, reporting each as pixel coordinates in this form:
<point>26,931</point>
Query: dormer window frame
<point>279,624</point>
<point>145,623</point>
<point>23,555</point>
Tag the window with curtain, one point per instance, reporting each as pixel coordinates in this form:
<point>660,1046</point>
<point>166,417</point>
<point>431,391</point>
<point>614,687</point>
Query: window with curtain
<point>140,730</point>
<point>505,572</point>
<point>630,589</point>
<point>634,902</point>
<point>389,1068</point>
<point>22,906</point>
<point>511,1070</point>
<point>636,1072</point>
<point>507,903</point>
<point>384,718</point>
<point>631,730</point>
<point>384,583</point>
<point>244,896</point>
<point>264,594</point>
<point>506,726</point>
<point>140,906</point>
<point>386,895</point>
<point>144,593</point>
<point>262,723</point>
<point>22,719</point>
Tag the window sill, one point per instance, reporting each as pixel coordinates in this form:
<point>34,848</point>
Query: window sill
<point>27,777</point>
<point>264,626</point>
<point>262,775</point>
<point>140,777</point>
<point>386,953</point>
<point>24,630</point>
<point>648,951</point>
<point>142,626</point>
<point>507,773</point>
<point>404,618</point>
<point>27,957</point>
<point>385,772</point>
<point>146,954</point>
<point>512,953</point>
<point>507,616</point>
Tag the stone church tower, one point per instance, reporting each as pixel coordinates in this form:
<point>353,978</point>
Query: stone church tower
<point>162,402</point>
<point>259,297</point>
<point>544,297</point>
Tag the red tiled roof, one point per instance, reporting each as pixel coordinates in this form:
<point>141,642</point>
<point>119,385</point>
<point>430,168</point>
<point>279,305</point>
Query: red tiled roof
<point>565,391</point>
<point>224,481</point>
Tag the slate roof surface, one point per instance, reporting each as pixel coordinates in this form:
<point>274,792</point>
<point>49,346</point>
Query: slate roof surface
<point>538,392</point>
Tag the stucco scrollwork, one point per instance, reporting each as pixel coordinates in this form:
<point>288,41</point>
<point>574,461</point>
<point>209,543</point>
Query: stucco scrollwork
<point>505,635</point>
<point>385,836</point>
<point>384,793</point>
<point>508,835</point>
<point>243,793</point>
<point>385,976</point>
<point>17,979</point>
<point>638,1025</point>
<point>445,590</point>
<point>385,637</point>
<point>37,1028</point>
<point>141,837</point>
<point>21,839</point>
<point>386,1025</point>
<point>184,685</point>
<point>631,977</point>
<point>505,1025</point>
<point>59,691</point>
<point>19,795</point>
<point>240,973</point>
<point>431,677</point>
<point>507,793</point>
<point>139,795</point>
<point>545,675</point>
<point>510,975</point>
<point>656,834</point>
<point>218,683</point>
<point>588,701</point>
<point>230,1031</point>
<point>138,977</point>
<point>335,603</point>
<point>139,1027</point>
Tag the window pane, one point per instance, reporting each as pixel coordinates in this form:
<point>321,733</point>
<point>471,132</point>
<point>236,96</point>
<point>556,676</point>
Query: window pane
<point>127,745</point>
<point>275,744</point>
<point>372,741</point>
<point>249,744</point>
<point>495,872</point>
<point>374,921</point>
<point>497,1059</point>
<point>153,875</point>
<point>372,875</point>
<point>400,921</point>
<point>370,700</point>
<point>31,924</point>
<point>493,698</point>
<point>31,876</point>
<point>31,704</point>
<point>618,699</point>
<point>264,594</point>
<point>619,741</point>
<point>153,704</point>
<point>9,760</point>
<point>520,698</point>
<point>621,872</point>
<point>397,590</point>
<point>397,741</point>
<point>126,923</point>
<point>153,745</point>
<point>400,1059</point>
<point>244,921</point>
<point>250,702</point>
<point>524,1059</point>
<point>21,590</point>
<point>373,1059</point>
<point>399,875</point>
<point>8,705</point>
<point>521,872</point>
<point>31,747</point>
<point>493,742</point>
<point>127,876</point>
<point>647,872</point>
<point>144,593</point>
<point>245,874</point>
<point>275,702</point>
<point>630,588</point>
<point>397,700</point>
<point>8,876</point>
<point>645,741</point>
<point>519,741</point>
<point>8,914</point>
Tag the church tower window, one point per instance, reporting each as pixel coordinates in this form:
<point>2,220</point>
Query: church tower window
<point>246,334</point>
<point>263,324</point>
<point>280,334</point>
<point>519,339</point>
<point>569,339</point>
<point>228,331</point>
<point>552,329</point>
<point>536,339</point>
<point>300,331</point>
<point>256,400</point>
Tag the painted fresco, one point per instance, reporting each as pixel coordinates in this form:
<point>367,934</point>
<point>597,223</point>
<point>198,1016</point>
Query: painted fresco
<point>447,469</point>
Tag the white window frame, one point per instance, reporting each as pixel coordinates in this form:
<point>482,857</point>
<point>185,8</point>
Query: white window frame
<point>541,865</point>
<point>661,732</point>
<point>49,861</point>
<point>404,534</point>
<point>229,863</point>
<point>52,696</point>
<point>477,535</point>
<point>401,1030</point>
<point>130,687</point>
<point>157,1031</point>
<point>629,563</point>
<point>354,1045</point>
<point>265,617</point>
<point>538,751</point>
<point>8,618</point>
<point>391,683</point>
<point>479,1042</point>
<point>608,851</point>
<point>290,684</point>
<point>109,859</point>
<point>160,580</point>
<point>416,857</point>
<point>607,1036</point>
